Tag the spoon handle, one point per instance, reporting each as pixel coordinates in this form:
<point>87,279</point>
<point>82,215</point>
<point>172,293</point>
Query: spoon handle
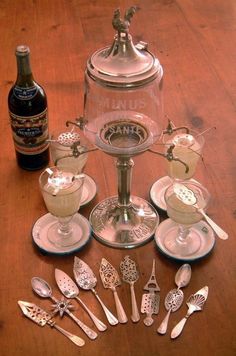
<point>110,317</point>
<point>98,323</point>
<point>75,339</point>
<point>178,328</point>
<point>89,332</point>
<point>148,321</point>
<point>135,317</point>
<point>219,232</point>
<point>163,327</point>
<point>119,308</point>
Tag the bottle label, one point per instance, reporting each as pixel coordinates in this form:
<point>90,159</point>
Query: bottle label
<point>25,93</point>
<point>30,133</point>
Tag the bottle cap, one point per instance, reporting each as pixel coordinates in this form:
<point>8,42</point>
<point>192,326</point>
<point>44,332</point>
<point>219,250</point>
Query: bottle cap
<point>22,50</point>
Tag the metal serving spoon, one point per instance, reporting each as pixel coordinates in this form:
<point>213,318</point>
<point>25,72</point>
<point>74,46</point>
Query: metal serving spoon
<point>87,280</point>
<point>195,303</point>
<point>43,289</point>
<point>70,290</point>
<point>188,197</point>
<point>130,275</point>
<point>174,298</point>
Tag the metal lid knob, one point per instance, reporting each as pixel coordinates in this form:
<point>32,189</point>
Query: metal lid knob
<point>123,64</point>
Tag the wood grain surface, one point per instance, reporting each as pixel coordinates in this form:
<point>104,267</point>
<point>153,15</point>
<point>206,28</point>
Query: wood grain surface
<point>195,42</point>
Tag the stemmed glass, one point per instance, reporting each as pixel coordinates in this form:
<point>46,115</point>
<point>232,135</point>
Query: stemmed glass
<point>183,150</point>
<point>61,189</point>
<point>184,238</point>
<point>187,150</point>
<point>67,150</point>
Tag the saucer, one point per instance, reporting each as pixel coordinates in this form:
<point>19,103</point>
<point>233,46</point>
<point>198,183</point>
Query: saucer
<point>201,229</point>
<point>39,235</point>
<point>89,190</point>
<point>157,192</point>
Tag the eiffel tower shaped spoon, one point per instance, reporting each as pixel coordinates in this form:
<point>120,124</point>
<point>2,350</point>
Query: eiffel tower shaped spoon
<point>151,300</point>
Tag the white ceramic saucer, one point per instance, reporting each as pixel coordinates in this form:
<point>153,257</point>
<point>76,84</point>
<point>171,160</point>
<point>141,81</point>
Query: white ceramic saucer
<point>89,190</point>
<point>39,235</point>
<point>157,192</point>
<point>202,230</point>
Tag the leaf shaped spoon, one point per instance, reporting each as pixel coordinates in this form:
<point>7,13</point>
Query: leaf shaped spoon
<point>110,279</point>
<point>130,275</point>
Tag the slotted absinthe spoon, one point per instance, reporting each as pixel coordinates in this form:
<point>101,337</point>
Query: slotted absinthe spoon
<point>188,197</point>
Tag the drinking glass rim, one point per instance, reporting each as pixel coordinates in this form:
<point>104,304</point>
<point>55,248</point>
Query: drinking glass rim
<point>202,188</point>
<point>60,168</point>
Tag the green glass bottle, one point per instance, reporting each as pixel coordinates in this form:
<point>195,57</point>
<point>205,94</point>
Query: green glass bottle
<point>27,103</point>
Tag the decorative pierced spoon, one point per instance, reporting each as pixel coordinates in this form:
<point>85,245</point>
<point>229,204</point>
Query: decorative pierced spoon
<point>194,303</point>
<point>130,275</point>
<point>70,290</point>
<point>151,301</point>
<point>110,279</point>
<point>174,298</point>
<point>188,197</point>
<point>86,279</point>
<point>41,317</point>
<point>43,289</point>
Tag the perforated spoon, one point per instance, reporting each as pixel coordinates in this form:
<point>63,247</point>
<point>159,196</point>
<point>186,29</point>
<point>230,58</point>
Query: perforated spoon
<point>87,280</point>
<point>130,275</point>
<point>188,197</point>
<point>43,289</point>
<point>174,298</point>
<point>70,290</point>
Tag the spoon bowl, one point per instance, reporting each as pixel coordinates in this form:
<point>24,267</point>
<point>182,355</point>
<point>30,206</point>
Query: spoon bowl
<point>183,276</point>
<point>174,300</point>
<point>41,287</point>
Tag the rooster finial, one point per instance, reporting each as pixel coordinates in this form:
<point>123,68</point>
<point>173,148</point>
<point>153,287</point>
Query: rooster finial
<point>122,25</point>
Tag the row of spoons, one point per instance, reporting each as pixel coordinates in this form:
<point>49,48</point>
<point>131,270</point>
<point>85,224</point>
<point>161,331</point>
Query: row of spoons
<point>86,279</point>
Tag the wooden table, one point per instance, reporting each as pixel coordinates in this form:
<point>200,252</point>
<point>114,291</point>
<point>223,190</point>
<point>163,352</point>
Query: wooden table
<point>195,42</point>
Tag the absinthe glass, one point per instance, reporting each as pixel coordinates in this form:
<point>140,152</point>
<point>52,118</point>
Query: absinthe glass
<point>188,149</point>
<point>62,155</point>
<point>62,192</point>
<point>182,239</point>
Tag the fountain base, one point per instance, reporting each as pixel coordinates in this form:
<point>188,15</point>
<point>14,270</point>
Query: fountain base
<point>124,226</point>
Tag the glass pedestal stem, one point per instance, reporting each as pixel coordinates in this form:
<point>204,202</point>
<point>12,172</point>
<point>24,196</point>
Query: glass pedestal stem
<point>183,232</point>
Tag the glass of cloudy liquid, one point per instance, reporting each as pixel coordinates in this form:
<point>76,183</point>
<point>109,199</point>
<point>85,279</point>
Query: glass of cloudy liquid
<point>187,149</point>
<point>184,237</point>
<point>67,150</point>
<point>61,188</point>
